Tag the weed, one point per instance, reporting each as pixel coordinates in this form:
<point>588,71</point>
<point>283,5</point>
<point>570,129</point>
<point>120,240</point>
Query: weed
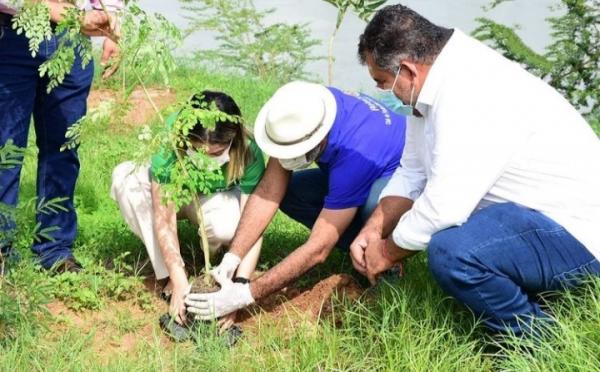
<point>92,288</point>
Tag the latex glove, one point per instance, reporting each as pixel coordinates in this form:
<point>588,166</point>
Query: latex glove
<point>231,297</point>
<point>227,267</point>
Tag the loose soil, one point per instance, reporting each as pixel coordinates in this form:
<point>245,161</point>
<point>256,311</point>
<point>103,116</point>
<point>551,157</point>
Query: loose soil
<point>138,110</point>
<point>306,304</point>
<point>199,285</point>
<point>123,327</point>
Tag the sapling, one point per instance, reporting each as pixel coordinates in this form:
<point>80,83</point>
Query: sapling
<point>364,9</point>
<point>146,52</point>
<point>33,20</point>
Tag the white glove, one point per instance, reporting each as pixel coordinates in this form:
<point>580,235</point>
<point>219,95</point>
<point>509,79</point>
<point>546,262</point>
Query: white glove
<point>231,297</point>
<point>227,267</point>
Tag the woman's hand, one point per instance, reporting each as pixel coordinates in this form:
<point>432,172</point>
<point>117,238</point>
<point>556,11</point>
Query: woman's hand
<point>177,306</point>
<point>165,227</point>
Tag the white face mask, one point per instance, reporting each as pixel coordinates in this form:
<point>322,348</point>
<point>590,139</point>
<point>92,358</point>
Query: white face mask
<point>219,160</point>
<point>295,164</point>
<point>302,161</point>
<point>223,158</point>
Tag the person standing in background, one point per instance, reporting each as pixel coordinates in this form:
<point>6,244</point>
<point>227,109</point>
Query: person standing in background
<point>23,94</point>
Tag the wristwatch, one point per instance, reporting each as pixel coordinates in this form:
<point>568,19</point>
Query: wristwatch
<point>239,279</point>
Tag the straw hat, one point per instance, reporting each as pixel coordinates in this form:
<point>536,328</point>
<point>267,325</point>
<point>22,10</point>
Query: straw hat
<point>295,120</point>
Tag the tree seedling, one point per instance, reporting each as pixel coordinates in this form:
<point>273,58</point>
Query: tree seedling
<point>364,9</point>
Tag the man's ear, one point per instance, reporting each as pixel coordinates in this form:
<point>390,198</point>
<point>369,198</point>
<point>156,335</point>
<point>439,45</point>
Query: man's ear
<point>416,72</point>
<point>410,68</point>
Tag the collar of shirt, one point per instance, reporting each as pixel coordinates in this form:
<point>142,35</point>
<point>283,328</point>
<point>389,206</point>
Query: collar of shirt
<point>443,65</point>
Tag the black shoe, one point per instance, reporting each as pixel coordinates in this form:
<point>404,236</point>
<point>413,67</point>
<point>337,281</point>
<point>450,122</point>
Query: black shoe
<point>392,275</point>
<point>232,335</point>
<point>166,295</point>
<point>176,331</point>
<point>68,265</point>
<point>179,333</point>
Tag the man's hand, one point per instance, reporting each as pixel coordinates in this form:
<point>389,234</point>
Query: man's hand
<point>380,256</point>
<point>358,247</point>
<point>109,60</point>
<point>226,322</point>
<point>227,267</point>
<point>231,297</point>
<point>100,23</point>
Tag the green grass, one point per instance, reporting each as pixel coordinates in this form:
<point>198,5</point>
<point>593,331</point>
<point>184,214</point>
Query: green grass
<point>408,326</point>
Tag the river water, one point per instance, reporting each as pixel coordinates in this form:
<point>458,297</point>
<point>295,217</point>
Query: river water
<point>530,15</point>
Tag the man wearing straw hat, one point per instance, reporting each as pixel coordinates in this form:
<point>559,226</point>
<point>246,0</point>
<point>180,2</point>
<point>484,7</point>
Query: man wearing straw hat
<point>356,143</point>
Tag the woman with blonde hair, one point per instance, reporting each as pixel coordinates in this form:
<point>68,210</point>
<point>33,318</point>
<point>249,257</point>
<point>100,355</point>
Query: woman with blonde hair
<point>137,190</point>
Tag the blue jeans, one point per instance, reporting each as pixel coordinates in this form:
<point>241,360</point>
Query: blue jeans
<point>501,258</point>
<point>305,196</point>
<point>23,93</point>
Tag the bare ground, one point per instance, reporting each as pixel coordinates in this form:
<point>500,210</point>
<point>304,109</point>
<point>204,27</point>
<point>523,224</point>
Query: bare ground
<point>137,110</point>
<point>122,327</point>
<point>119,328</point>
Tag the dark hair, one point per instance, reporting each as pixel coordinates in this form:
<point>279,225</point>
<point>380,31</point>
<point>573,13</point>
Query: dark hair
<point>225,132</point>
<point>397,32</point>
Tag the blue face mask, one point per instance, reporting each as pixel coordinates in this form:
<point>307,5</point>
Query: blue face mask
<point>391,101</point>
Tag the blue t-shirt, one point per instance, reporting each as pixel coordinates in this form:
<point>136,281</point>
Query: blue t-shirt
<point>364,144</point>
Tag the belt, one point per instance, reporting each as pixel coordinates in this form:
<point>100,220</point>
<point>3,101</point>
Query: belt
<point>5,19</point>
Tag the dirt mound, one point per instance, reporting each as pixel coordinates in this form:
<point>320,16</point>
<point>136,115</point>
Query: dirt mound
<point>138,110</point>
<point>310,303</point>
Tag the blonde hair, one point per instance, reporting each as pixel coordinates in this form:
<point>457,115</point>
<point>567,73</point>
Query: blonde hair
<point>240,155</point>
<point>225,132</point>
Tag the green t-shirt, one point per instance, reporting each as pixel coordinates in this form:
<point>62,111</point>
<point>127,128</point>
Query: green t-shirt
<point>162,165</point>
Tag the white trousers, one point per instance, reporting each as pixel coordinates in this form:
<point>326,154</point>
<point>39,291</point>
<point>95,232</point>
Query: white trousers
<point>131,189</point>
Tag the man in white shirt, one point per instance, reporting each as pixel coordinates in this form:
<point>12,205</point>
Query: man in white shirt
<point>499,179</point>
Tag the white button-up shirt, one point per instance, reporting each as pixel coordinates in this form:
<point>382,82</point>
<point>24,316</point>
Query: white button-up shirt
<point>492,133</point>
